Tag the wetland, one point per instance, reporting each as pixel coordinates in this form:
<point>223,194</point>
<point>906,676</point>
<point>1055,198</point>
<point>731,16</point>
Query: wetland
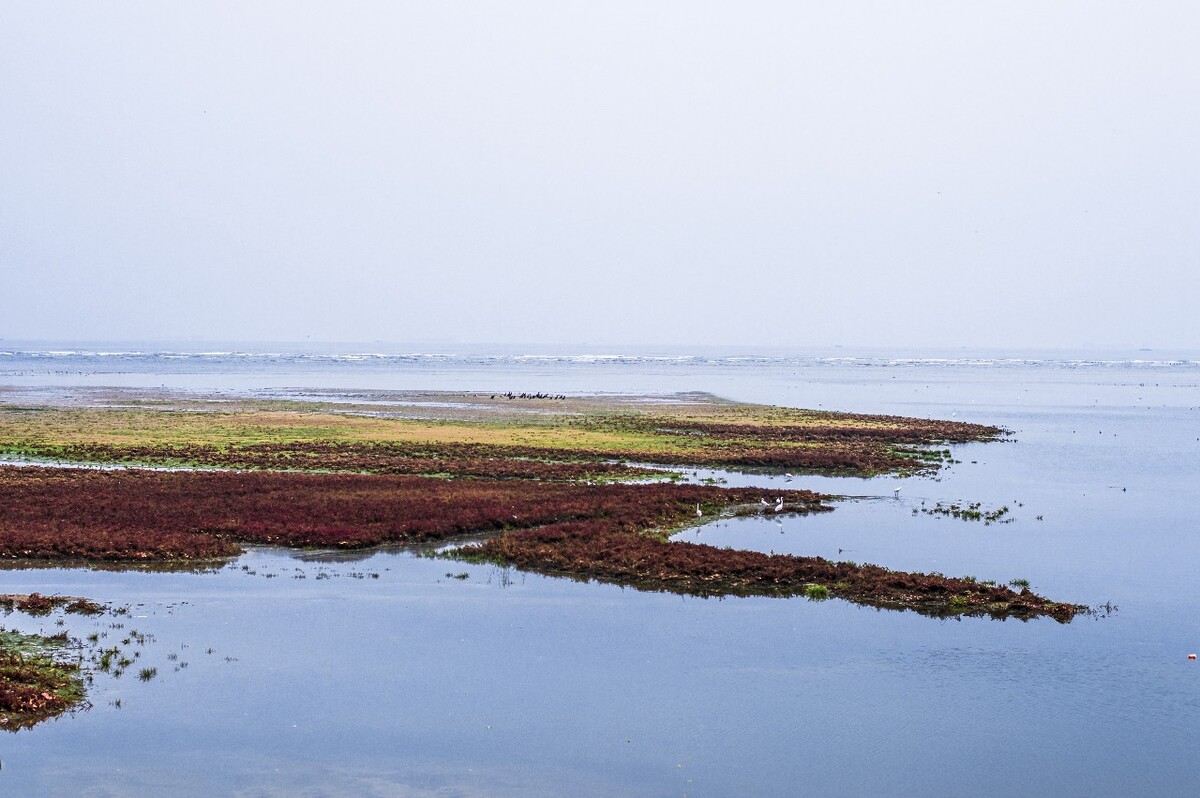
<point>555,485</point>
<point>545,484</point>
<point>404,652</point>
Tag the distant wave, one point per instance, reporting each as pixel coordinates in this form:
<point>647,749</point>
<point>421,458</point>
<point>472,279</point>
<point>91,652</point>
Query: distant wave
<point>140,359</point>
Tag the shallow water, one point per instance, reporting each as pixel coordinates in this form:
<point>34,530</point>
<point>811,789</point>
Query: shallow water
<point>383,674</point>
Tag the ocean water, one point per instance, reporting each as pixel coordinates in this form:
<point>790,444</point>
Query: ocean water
<point>387,673</point>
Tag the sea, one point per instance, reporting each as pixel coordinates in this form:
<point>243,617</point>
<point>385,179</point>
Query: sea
<point>387,673</point>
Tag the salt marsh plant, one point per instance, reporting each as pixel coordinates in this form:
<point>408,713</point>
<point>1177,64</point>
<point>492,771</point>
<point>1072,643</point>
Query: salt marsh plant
<point>816,592</point>
<point>37,681</point>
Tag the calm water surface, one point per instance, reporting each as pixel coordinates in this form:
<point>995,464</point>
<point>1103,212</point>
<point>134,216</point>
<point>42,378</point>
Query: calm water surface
<point>285,674</point>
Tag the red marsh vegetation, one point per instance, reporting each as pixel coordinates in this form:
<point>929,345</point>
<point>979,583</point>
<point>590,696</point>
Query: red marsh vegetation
<point>613,532</point>
<point>825,427</point>
<point>139,514</point>
<point>35,682</point>
<point>363,457</point>
<point>590,549</point>
<point>37,604</point>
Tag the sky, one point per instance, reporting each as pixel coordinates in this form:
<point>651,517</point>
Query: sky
<point>935,173</point>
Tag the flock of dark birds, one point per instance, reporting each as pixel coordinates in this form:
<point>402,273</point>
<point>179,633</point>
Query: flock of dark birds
<point>511,395</point>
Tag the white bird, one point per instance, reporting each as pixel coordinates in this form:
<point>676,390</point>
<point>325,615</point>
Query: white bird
<point>698,513</point>
<point>896,492</point>
<point>779,504</point>
<point>764,502</point>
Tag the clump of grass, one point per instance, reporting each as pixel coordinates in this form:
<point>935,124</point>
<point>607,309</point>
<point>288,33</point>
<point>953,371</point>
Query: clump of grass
<point>82,606</point>
<point>816,592</point>
<point>146,674</point>
<point>969,512</point>
<point>106,658</point>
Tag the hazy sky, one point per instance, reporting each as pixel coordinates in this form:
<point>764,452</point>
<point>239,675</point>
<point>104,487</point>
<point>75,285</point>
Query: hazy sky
<point>746,173</point>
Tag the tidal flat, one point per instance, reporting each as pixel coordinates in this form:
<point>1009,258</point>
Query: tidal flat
<point>564,487</point>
